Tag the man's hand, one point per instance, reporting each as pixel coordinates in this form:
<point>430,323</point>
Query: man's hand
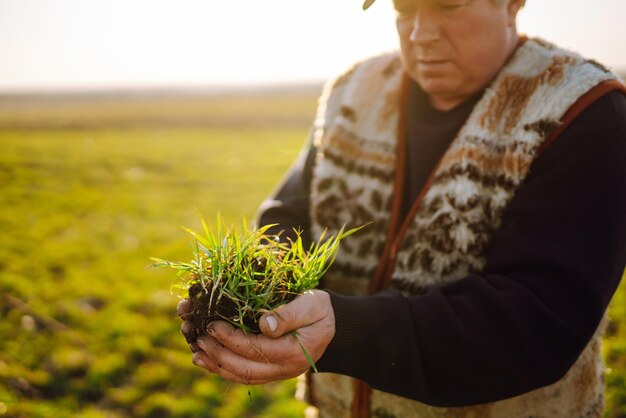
<point>273,355</point>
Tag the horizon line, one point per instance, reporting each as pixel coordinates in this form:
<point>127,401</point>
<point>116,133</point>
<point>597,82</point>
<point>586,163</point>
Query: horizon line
<point>176,87</point>
<point>183,88</point>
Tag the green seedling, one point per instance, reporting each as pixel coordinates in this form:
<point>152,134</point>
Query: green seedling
<point>238,275</point>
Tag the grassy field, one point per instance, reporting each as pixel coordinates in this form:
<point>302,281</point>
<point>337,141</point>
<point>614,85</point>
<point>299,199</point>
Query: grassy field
<point>269,108</point>
<point>85,329</point>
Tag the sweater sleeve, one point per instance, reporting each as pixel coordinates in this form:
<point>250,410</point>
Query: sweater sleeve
<point>550,273</point>
<point>288,205</point>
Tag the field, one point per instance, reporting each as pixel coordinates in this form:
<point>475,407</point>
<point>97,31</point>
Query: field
<point>85,329</point>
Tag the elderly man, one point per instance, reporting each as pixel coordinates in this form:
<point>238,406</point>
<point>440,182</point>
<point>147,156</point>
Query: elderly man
<point>492,168</point>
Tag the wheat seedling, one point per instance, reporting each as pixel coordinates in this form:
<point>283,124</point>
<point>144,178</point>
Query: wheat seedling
<point>238,275</point>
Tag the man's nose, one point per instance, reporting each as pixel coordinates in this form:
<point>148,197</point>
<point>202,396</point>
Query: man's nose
<point>425,28</point>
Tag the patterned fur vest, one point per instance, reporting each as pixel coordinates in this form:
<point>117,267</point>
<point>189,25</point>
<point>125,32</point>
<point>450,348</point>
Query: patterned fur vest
<point>358,133</point>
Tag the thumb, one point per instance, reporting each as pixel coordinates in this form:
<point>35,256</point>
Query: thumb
<point>308,308</point>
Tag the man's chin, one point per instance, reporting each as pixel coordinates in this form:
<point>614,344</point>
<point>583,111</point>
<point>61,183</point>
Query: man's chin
<point>439,86</point>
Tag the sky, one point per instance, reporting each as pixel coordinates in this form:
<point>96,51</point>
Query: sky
<point>75,44</point>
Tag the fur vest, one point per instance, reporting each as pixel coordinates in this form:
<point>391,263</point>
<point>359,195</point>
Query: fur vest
<point>446,235</point>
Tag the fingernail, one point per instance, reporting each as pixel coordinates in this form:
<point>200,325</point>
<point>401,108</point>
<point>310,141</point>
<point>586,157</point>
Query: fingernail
<point>183,308</point>
<point>200,363</point>
<point>271,323</point>
<point>201,344</point>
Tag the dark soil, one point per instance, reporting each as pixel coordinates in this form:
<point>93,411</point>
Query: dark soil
<point>204,311</point>
<point>202,314</point>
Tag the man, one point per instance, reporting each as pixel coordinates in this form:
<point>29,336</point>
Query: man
<point>492,169</point>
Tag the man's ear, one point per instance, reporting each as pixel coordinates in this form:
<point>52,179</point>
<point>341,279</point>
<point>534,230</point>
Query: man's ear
<point>512,8</point>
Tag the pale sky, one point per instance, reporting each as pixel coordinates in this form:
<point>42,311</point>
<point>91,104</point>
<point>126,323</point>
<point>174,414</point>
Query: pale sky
<point>52,44</point>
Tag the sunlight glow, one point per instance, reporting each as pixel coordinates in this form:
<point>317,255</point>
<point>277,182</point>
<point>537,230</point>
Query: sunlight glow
<point>142,43</point>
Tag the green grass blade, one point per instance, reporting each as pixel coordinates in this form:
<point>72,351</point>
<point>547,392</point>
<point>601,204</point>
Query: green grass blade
<point>304,351</point>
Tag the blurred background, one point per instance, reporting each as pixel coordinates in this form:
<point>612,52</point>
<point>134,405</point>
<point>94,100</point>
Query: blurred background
<point>118,119</point>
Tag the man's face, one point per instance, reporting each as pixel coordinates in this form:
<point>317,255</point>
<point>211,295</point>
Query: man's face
<point>454,48</point>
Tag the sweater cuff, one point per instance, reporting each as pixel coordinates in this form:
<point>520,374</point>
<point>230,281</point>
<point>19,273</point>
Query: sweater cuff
<point>358,319</point>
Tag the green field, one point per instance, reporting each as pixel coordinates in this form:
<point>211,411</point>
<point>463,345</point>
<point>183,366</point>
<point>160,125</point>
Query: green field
<point>85,329</point>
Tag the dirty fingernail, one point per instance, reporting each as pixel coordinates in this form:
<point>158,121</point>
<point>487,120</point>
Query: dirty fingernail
<point>183,308</point>
<point>202,345</point>
<point>210,329</point>
<point>271,323</point>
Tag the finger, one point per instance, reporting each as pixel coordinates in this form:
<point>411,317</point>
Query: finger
<point>310,307</point>
<point>249,370</point>
<point>189,331</point>
<point>253,347</point>
<point>184,308</point>
<point>200,359</point>
<point>186,328</point>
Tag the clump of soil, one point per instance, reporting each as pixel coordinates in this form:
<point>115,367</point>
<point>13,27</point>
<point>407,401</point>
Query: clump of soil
<point>204,311</point>
<point>237,276</point>
<point>221,306</point>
